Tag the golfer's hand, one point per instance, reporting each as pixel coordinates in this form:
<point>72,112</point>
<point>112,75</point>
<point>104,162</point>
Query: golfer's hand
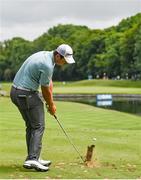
<point>52,109</point>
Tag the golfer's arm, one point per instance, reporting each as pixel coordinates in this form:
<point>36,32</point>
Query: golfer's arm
<point>47,94</point>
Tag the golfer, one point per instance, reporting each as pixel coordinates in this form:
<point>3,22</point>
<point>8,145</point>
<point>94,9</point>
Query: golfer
<point>37,70</point>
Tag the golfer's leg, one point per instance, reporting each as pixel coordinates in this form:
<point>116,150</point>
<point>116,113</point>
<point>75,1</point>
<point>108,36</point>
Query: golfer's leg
<point>24,112</point>
<point>26,116</point>
<point>37,130</point>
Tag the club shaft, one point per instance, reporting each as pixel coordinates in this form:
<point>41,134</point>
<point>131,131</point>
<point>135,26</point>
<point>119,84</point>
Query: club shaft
<point>68,138</point>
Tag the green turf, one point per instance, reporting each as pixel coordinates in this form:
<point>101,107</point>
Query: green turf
<point>117,152</point>
<point>93,87</point>
<point>107,83</point>
<point>95,90</point>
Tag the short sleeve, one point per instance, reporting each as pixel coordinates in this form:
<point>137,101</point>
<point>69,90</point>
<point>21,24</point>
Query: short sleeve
<point>45,77</point>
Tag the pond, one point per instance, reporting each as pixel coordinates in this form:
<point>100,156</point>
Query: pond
<point>124,103</point>
<point>132,106</point>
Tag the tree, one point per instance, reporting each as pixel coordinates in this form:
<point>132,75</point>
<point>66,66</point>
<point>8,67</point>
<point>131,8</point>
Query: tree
<point>114,51</point>
<point>127,51</point>
<point>8,75</point>
<point>137,52</point>
<point>15,53</point>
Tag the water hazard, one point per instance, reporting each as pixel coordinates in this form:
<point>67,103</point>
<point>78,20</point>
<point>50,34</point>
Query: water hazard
<point>124,103</point>
<point>132,106</point>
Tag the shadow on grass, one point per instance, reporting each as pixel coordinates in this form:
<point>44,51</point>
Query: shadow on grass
<point>14,171</point>
<point>14,168</point>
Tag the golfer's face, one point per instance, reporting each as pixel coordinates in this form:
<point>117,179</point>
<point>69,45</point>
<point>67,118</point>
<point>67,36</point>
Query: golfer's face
<point>60,60</point>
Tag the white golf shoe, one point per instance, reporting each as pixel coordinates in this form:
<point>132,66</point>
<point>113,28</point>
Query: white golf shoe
<point>33,164</point>
<point>44,162</point>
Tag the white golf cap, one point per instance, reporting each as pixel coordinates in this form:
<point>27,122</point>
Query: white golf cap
<point>67,52</point>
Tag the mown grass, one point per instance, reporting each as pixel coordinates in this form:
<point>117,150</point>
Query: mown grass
<point>117,152</point>
<point>93,87</point>
<point>108,83</point>
<point>95,90</point>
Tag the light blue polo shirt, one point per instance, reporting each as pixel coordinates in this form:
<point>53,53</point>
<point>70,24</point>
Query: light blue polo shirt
<point>36,70</point>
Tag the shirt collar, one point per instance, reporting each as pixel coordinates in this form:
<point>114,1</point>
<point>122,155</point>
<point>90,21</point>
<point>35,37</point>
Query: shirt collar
<point>52,57</point>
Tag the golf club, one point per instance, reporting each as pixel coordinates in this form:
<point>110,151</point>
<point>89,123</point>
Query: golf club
<point>69,138</point>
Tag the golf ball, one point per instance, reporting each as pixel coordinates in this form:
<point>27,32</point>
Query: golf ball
<point>94,139</point>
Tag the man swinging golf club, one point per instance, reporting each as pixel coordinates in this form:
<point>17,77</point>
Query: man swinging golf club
<point>37,70</point>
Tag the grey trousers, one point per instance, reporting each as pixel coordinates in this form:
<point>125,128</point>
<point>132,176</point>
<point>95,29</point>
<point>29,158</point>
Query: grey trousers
<point>32,110</point>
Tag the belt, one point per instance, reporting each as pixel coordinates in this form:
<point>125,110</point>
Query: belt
<point>21,88</point>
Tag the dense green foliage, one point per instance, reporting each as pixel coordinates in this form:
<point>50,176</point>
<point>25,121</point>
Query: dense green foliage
<point>112,52</point>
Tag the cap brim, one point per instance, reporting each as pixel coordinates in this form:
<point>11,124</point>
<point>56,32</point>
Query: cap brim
<point>69,60</point>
